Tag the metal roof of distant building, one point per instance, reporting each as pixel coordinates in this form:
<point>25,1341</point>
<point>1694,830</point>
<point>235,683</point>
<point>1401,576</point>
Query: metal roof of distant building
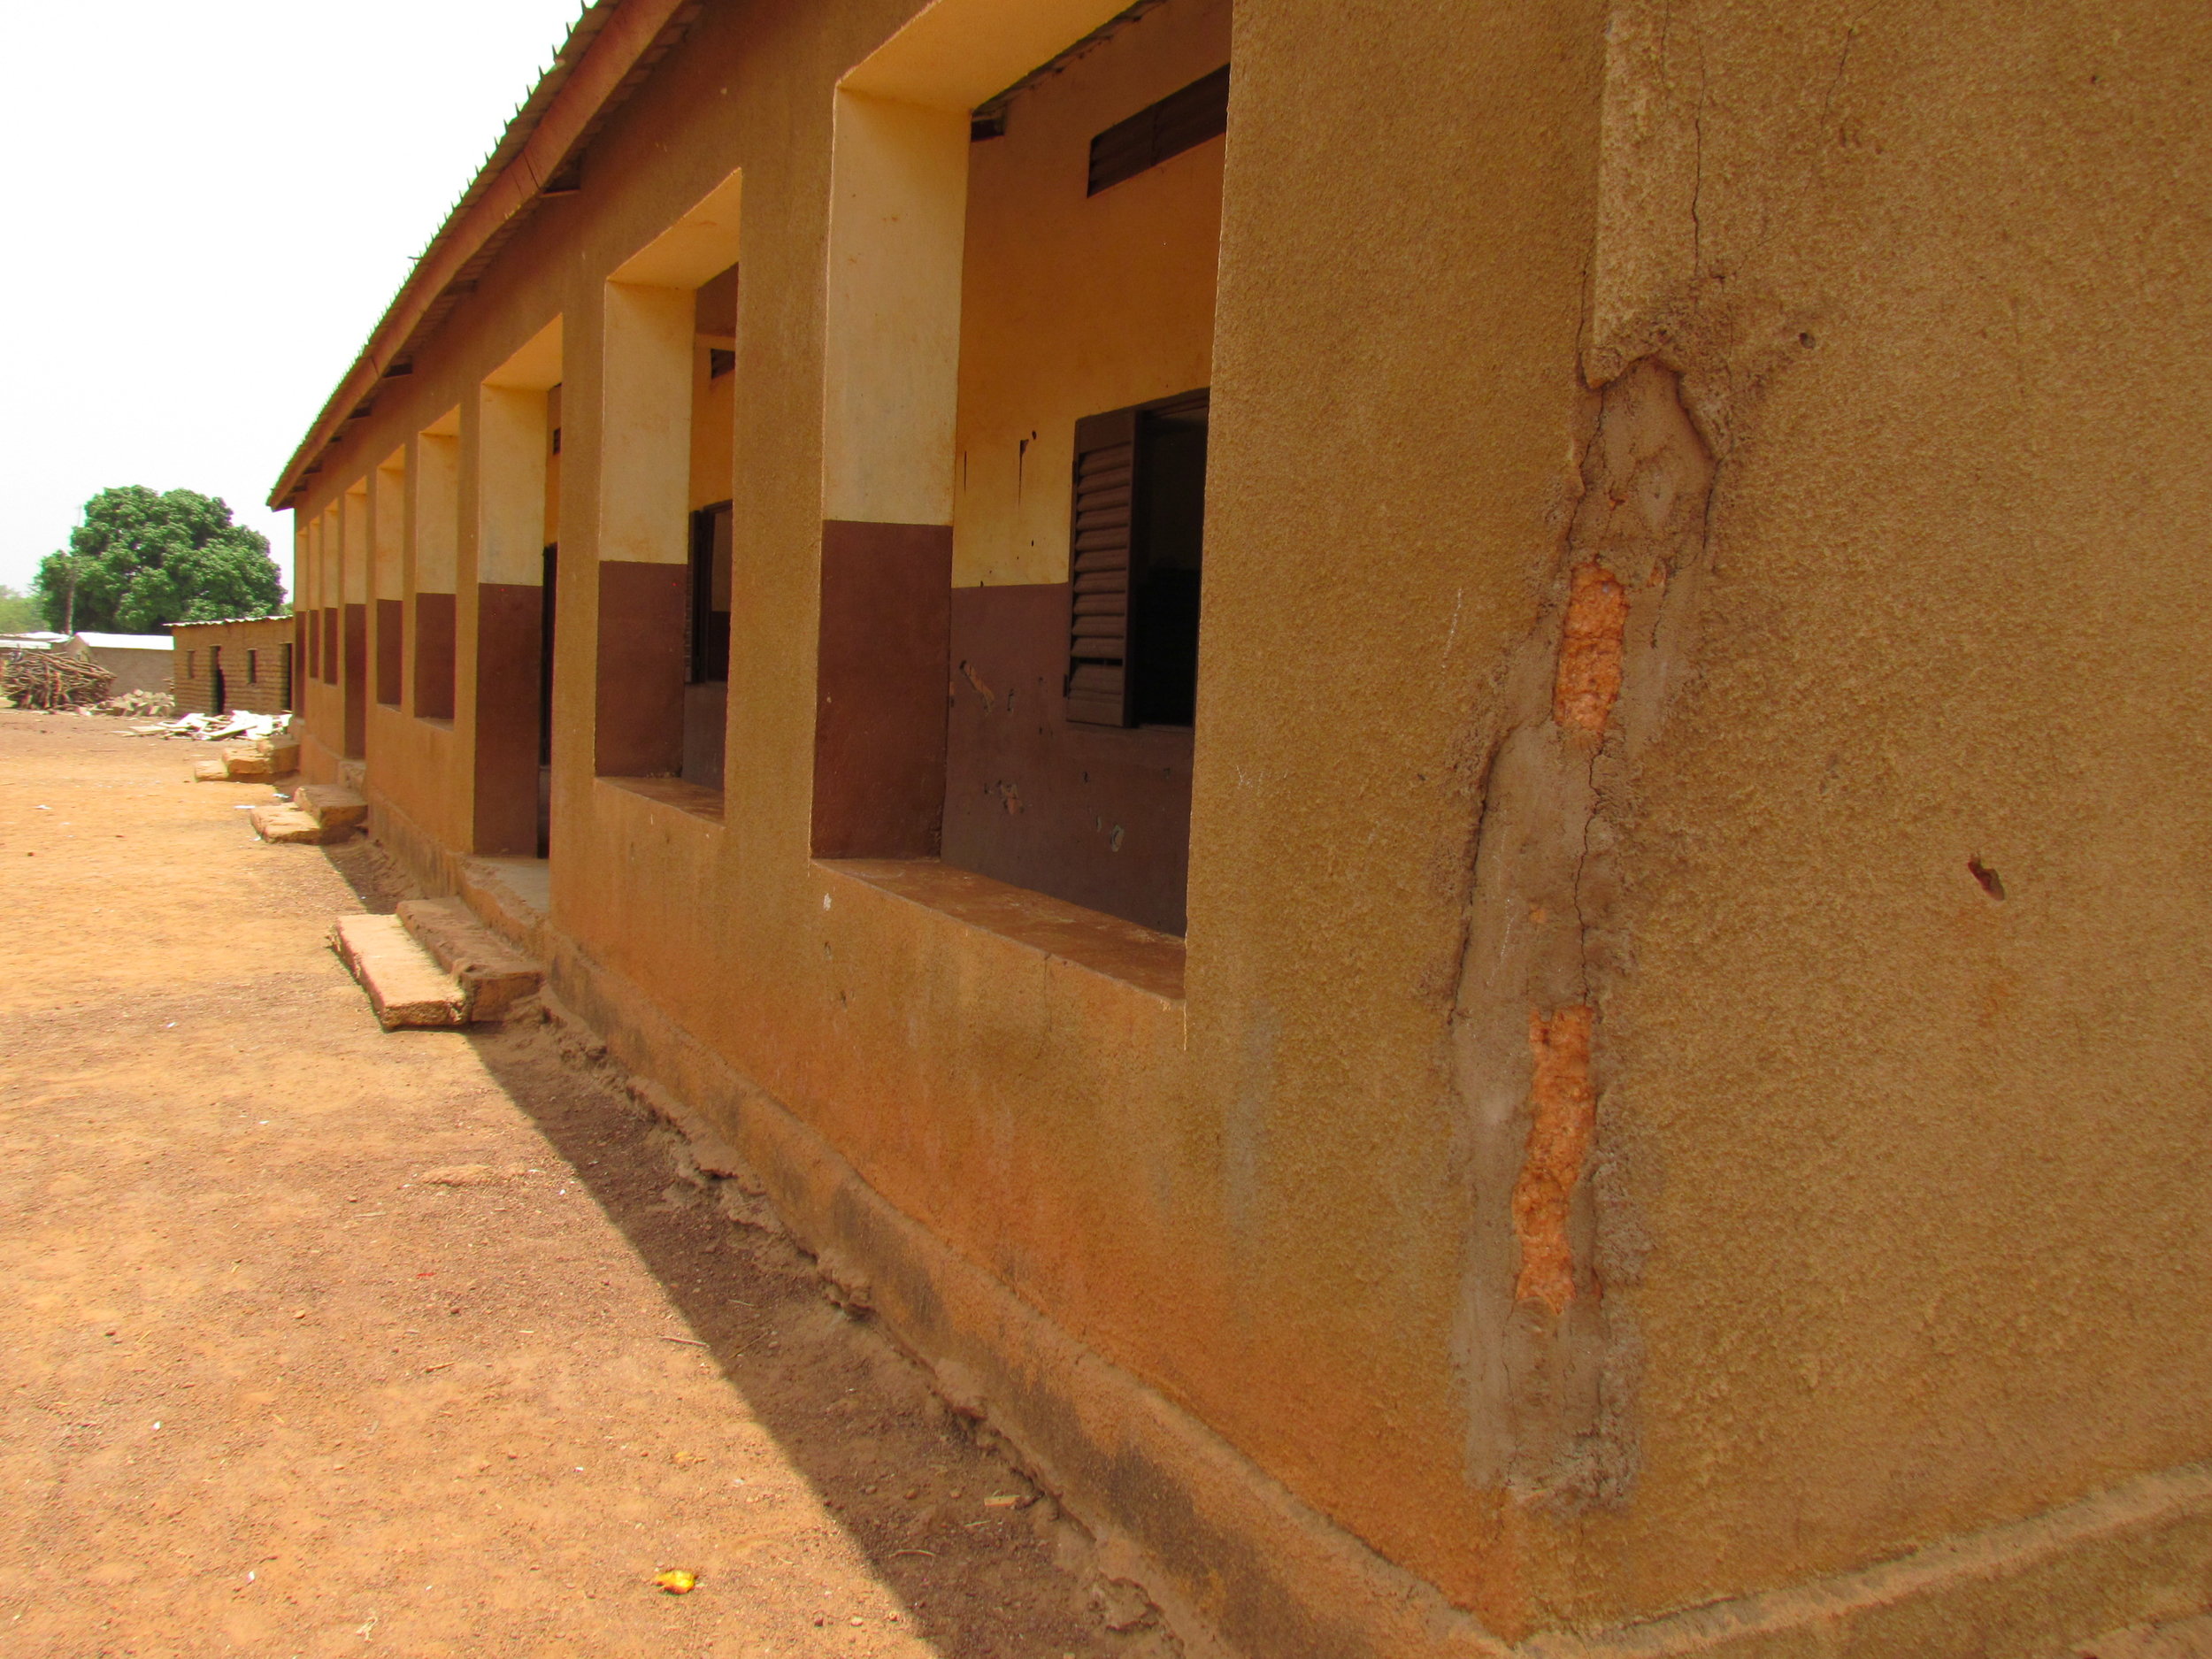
<point>225,622</point>
<point>124,642</point>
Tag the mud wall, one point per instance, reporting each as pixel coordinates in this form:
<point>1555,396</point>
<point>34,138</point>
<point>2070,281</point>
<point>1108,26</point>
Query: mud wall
<point>255,662</point>
<point>1885,881</point>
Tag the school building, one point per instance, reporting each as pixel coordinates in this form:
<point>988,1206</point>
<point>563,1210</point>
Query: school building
<point>1551,996</point>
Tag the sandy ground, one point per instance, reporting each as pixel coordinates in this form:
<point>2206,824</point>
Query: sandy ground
<point>323,1340</point>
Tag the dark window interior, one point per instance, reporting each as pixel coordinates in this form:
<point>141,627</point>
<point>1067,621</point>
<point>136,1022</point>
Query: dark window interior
<point>1181,121</point>
<point>549,580</point>
<point>1170,506</point>
<point>708,657</point>
<point>1137,556</point>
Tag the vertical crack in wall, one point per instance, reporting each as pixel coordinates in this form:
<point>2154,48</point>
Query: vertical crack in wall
<point>1548,1365</point>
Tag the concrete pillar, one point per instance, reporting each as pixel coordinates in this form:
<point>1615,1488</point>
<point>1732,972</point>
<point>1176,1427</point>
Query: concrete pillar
<point>643,527</point>
<point>434,548</point>
<point>329,601</point>
<point>353,560</point>
<point>387,537</point>
<point>509,453</point>
<point>891,383</point>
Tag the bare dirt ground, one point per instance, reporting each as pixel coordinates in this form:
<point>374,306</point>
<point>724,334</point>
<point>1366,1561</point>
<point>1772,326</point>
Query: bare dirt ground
<point>325,1341</point>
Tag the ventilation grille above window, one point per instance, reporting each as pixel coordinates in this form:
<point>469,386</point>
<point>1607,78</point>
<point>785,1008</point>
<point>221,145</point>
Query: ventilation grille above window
<point>1181,121</point>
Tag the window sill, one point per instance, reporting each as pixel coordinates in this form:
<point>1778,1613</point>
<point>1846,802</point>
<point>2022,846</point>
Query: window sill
<point>687,798</point>
<point>1151,962</point>
<point>433,720</point>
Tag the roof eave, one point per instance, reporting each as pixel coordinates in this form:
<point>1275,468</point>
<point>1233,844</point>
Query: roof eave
<point>612,42</point>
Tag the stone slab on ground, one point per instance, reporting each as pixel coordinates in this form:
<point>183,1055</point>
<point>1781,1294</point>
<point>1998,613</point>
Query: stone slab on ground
<point>405,987</point>
<point>494,977</point>
<point>333,805</point>
<point>246,761</point>
<point>284,757</point>
<point>210,771</point>
<point>277,822</point>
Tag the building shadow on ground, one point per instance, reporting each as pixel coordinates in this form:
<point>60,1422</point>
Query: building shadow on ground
<point>905,1478</point>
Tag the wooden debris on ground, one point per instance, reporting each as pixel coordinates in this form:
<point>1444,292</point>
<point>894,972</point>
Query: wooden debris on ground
<point>53,680</point>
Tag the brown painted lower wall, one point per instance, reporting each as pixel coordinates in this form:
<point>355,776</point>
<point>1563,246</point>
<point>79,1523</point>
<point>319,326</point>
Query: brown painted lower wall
<point>640,700</point>
<point>330,645</point>
<point>433,655</point>
<point>880,713</point>
<point>1096,816</point>
<point>510,623</point>
<point>390,640</point>
<point>356,677</point>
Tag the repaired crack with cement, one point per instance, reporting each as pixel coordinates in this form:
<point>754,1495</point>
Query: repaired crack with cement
<point>1550,1366</point>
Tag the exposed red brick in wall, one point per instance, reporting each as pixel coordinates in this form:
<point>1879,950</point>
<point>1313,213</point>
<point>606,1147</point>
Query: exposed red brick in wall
<point>1590,652</point>
<point>1562,1113</point>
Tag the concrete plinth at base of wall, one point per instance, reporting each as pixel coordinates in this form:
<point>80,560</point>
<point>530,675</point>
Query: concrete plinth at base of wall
<point>1240,1564</point>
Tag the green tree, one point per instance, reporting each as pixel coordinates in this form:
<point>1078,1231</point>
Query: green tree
<point>19,612</point>
<point>141,561</point>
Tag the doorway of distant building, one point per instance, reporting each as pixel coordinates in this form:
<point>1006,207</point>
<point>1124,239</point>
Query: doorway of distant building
<point>217,698</point>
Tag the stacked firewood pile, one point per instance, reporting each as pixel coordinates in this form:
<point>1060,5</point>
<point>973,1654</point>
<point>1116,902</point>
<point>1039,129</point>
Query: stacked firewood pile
<point>50,680</point>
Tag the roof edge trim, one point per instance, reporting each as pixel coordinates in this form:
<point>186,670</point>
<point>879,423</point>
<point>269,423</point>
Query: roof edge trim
<point>614,35</point>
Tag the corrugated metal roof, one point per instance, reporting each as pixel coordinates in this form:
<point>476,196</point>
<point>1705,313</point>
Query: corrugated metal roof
<point>123,641</point>
<point>225,622</point>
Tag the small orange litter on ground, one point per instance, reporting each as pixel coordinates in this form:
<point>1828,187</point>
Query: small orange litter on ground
<point>677,1582</point>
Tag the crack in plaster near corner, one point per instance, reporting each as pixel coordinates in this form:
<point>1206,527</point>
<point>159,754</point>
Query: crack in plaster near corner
<point>1549,1370</point>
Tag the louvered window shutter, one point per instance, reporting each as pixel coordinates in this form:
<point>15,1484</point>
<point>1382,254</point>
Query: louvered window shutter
<point>1101,568</point>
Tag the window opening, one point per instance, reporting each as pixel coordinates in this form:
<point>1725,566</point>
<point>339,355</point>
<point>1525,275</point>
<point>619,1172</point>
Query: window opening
<point>1136,558</point>
<point>708,655</point>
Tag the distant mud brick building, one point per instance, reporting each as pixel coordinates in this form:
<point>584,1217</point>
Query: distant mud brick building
<point>243,664</point>
<point>1434,769</point>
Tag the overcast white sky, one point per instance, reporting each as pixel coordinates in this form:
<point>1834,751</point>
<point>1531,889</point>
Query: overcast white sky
<point>211,204</point>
